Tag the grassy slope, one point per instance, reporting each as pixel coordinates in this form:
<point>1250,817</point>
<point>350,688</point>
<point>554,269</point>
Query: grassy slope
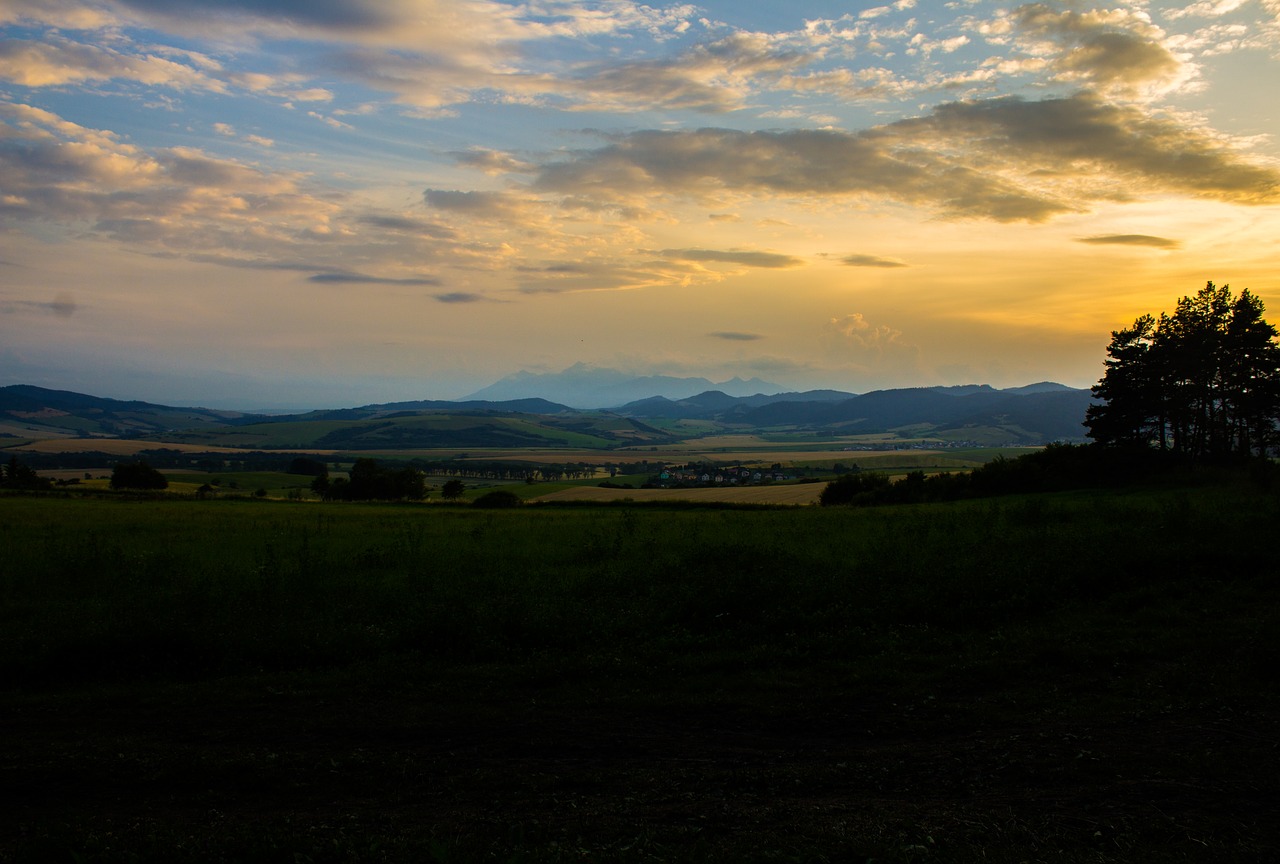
<point>1085,677</point>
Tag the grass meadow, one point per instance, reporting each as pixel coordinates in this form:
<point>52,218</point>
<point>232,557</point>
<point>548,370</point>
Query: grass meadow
<point>1075,677</point>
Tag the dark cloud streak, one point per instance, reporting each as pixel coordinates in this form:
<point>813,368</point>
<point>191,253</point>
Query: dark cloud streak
<point>770,260</point>
<point>735,336</point>
<point>336,278</point>
<point>871,261</point>
<point>1131,240</point>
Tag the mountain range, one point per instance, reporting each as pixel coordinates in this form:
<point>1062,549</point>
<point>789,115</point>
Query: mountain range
<point>1034,414</point>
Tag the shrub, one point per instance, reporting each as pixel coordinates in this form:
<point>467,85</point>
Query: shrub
<point>137,475</point>
<point>497,499</point>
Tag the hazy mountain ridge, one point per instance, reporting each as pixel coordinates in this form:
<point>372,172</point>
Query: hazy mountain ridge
<point>590,387</point>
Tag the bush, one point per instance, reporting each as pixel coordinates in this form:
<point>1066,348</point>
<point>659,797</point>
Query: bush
<point>137,475</point>
<point>498,499</point>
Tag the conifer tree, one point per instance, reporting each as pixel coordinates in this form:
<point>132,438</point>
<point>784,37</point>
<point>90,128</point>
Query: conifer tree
<point>1201,382</point>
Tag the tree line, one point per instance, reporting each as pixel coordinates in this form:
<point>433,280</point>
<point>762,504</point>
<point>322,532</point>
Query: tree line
<point>1202,382</point>
<point>370,481</point>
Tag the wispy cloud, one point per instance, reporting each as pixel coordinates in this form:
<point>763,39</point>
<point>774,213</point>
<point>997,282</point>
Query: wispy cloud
<point>56,61</point>
<point>735,336</point>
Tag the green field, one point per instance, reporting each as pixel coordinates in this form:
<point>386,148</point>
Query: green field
<point>1076,677</point>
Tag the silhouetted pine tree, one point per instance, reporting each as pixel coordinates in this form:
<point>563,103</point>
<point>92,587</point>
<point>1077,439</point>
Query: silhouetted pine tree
<point>1202,382</point>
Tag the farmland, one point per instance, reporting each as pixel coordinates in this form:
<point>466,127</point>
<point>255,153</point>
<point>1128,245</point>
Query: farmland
<point>806,493</point>
<point>1083,676</point>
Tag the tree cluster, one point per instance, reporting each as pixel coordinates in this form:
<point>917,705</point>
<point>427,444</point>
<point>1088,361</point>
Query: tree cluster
<point>1201,383</point>
<point>369,481</point>
<point>18,475</point>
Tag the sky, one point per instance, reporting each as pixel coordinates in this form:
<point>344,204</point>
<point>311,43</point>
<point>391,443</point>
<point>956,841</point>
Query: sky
<point>324,203</point>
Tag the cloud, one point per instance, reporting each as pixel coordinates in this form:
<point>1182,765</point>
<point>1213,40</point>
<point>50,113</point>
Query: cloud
<point>333,122</point>
<point>425,25</point>
<point>1005,159</point>
<point>408,225</point>
<point>856,327</point>
<point>1085,146</point>
<point>1206,9</point>
<point>430,54</point>
<point>871,261</point>
<point>744,258</point>
<point>62,306</point>
<point>492,161</point>
<point>57,61</point>
<point>735,336</point>
<point>1111,50</point>
<point>867,84</point>
<point>344,278</point>
<point>183,202</point>
<point>617,272</point>
<point>429,24</point>
<point>476,205</point>
<point>70,14</point>
<point>713,78</point>
<point>1131,240</point>
<point>459,297</point>
<point>871,348</point>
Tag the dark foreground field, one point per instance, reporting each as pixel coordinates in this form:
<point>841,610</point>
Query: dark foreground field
<point>1085,677</point>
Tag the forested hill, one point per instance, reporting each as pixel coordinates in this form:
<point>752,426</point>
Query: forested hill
<point>28,410</point>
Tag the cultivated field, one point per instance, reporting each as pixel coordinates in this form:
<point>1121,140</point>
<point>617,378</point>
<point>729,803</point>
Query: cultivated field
<point>791,493</point>
<point>114,446</point>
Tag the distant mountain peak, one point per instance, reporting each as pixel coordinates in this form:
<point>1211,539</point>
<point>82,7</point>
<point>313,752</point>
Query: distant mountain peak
<point>584,386</point>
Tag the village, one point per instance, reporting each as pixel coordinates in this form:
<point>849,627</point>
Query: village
<point>737,475</point>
